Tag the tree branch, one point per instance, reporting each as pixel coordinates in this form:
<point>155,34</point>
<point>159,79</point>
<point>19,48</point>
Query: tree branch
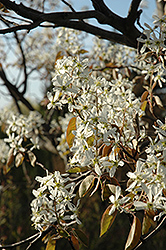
<point>21,242</point>
<point>14,91</point>
<point>101,13</point>
<point>133,11</point>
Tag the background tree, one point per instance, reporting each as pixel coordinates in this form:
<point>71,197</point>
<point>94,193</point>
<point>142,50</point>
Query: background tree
<point>45,125</point>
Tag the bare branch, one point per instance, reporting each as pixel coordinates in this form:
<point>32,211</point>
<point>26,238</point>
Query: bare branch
<point>101,13</point>
<point>20,27</point>
<point>21,242</point>
<point>17,96</point>
<point>133,11</point>
<point>69,5</point>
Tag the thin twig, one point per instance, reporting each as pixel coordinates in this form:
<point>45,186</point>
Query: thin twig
<point>69,5</point>
<point>21,242</point>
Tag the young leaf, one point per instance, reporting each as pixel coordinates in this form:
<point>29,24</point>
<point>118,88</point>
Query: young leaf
<point>51,244</point>
<point>19,160</point>
<point>144,96</point>
<point>106,150</point>
<point>81,237</point>
<point>75,242</point>
<point>134,234</point>
<point>158,101</point>
<point>85,185</point>
<point>146,224</point>
<point>105,192</point>
<point>148,221</point>
<point>143,105</point>
<point>32,158</point>
<point>69,134</point>
<point>107,220</point>
<point>10,159</point>
<point>77,170</point>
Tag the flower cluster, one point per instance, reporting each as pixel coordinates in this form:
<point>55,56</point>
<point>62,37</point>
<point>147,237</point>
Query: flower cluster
<point>19,127</point>
<point>53,202</point>
<point>103,109</point>
<point>154,51</point>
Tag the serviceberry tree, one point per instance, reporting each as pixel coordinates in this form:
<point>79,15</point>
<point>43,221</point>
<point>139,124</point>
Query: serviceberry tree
<point>103,116</point>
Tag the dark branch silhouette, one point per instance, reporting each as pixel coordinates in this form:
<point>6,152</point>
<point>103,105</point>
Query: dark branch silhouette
<point>128,36</point>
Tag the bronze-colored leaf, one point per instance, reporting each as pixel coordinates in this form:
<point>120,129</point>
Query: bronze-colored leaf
<point>19,159</point>
<point>32,158</point>
<point>75,242</point>
<point>134,234</point>
<point>81,236</point>
<point>144,96</point>
<point>85,185</point>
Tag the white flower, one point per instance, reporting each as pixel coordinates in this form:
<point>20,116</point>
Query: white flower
<point>116,201</point>
<point>53,201</point>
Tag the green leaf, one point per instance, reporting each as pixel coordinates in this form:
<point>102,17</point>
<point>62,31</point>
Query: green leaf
<point>143,105</point>
<point>81,237</point>
<point>146,224</point>
<point>19,160</point>
<point>148,221</point>
<point>51,244</point>
<point>134,234</point>
<point>69,135</point>
<point>77,170</point>
<point>85,185</point>
<point>107,220</point>
<point>63,233</point>
<point>90,140</point>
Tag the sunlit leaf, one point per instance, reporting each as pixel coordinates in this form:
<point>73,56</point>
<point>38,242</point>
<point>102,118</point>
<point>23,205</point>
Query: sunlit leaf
<point>81,237</point>
<point>158,101</point>
<point>51,244</point>
<point>85,185</point>
<point>69,135</point>
<point>143,105</point>
<point>19,160</point>
<point>144,96</point>
<point>77,170</point>
<point>112,188</point>
<point>106,150</point>
<point>90,140</point>
<point>134,234</point>
<point>107,220</point>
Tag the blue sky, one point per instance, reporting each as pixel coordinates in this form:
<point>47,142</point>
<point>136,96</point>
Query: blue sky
<point>120,7</point>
